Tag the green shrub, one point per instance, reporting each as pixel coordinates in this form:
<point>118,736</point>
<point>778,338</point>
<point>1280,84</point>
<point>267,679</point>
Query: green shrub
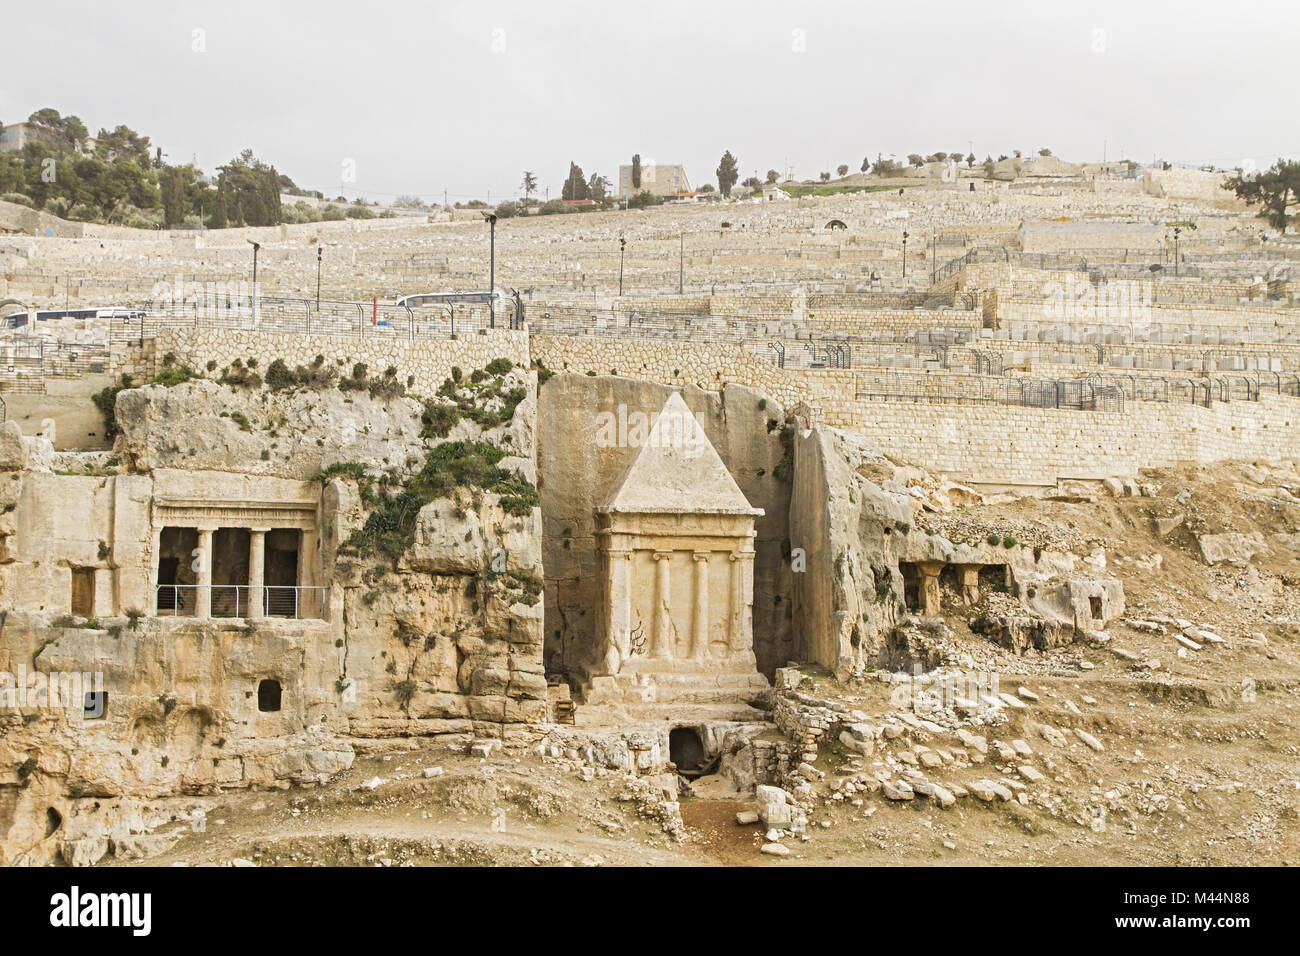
<point>438,419</point>
<point>346,469</point>
<point>404,690</point>
<point>278,376</point>
<point>106,401</point>
<point>172,376</point>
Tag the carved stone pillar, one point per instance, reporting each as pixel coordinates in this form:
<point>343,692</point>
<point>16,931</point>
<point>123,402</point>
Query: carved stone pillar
<point>153,568</point>
<point>930,595</point>
<point>700,628</point>
<point>740,634</point>
<point>256,570</point>
<point>203,593</point>
<point>968,577</point>
<point>661,639</point>
<point>620,602</point>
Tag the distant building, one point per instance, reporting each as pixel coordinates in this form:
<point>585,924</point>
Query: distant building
<point>657,180</point>
<point>15,137</point>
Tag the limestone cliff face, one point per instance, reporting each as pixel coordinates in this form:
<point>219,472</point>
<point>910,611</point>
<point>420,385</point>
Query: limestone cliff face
<point>204,426</point>
<point>434,628</point>
<point>869,565</point>
<point>847,528</point>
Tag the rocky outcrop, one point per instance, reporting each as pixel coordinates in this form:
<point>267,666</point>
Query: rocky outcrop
<point>201,425</point>
<point>843,526</point>
<point>429,622</point>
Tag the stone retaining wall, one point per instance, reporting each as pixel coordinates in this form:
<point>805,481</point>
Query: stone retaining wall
<point>429,360</point>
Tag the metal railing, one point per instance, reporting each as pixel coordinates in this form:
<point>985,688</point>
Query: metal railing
<point>234,600</point>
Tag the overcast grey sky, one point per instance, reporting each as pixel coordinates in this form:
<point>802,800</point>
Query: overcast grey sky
<point>423,97</point>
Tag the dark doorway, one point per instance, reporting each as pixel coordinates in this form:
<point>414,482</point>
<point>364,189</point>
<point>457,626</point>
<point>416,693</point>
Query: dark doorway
<point>993,577</point>
<point>911,585</point>
<point>281,572</point>
<point>176,574</point>
<point>83,592</point>
<point>230,572</point>
<point>268,696</point>
<point>95,706</point>
<point>686,749</point>
<point>1094,605</point>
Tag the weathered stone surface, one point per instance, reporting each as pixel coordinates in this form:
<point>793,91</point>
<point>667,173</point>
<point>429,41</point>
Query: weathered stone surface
<point>1089,739</point>
<point>897,790</point>
<point>1232,546</point>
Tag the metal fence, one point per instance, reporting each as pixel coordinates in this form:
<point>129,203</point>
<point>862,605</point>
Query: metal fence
<point>1094,392</point>
<point>307,317</point>
<point>1118,263</point>
<point>235,600</point>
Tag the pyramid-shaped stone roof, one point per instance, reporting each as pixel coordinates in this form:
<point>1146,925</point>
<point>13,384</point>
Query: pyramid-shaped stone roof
<point>679,471</point>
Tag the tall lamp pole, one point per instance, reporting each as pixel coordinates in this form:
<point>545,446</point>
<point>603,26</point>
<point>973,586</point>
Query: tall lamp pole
<point>904,255</point>
<point>622,244</point>
<point>256,246</point>
<point>492,268</point>
<point>934,258</point>
<point>318,253</point>
<point>1177,230</point>
<point>681,262</point>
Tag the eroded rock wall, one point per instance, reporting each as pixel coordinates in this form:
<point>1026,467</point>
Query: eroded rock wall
<point>439,632</point>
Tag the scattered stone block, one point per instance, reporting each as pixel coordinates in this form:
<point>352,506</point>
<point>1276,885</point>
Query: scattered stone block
<point>1089,739</point>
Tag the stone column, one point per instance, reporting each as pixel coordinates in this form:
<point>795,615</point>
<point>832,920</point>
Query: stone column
<point>154,558</point>
<point>203,593</point>
<point>256,570</point>
<point>700,630</point>
<point>968,576</point>
<point>930,594</point>
<point>661,638</point>
<point>740,634</point>
<point>618,609</point>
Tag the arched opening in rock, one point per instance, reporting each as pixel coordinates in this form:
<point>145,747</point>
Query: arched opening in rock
<point>993,577</point>
<point>911,585</point>
<point>95,705</point>
<point>53,820</point>
<point>268,696</point>
<point>686,751</point>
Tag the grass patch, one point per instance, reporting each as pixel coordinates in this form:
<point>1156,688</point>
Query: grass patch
<point>800,190</point>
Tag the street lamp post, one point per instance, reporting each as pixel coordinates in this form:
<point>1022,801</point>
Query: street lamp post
<point>1177,230</point>
<point>681,262</point>
<point>492,268</point>
<point>318,254</point>
<point>904,255</point>
<point>622,244</point>
<point>934,258</point>
<point>256,247</point>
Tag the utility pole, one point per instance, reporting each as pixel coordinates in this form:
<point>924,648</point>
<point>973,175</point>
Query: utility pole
<point>256,246</point>
<point>492,268</point>
<point>904,255</point>
<point>318,254</point>
<point>622,244</point>
<point>681,262</point>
